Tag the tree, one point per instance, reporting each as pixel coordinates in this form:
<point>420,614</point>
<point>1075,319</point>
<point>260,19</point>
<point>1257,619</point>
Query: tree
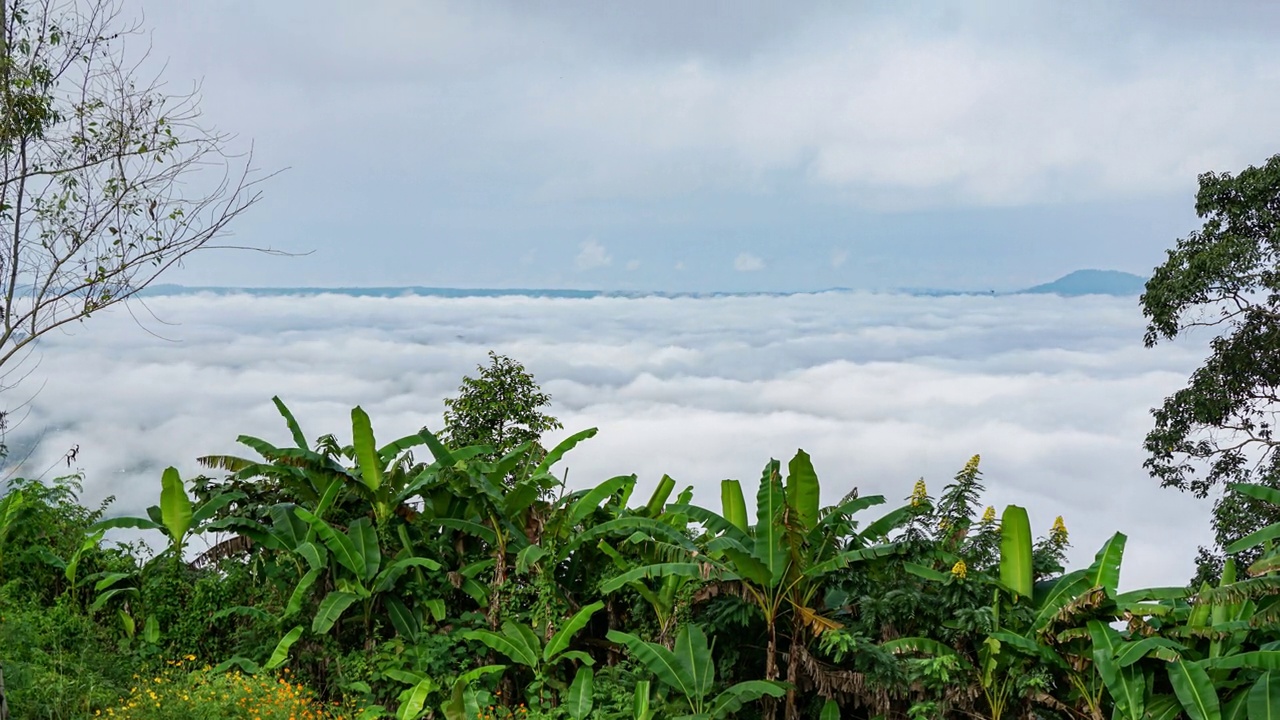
<point>1220,428</point>
<point>106,181</point>
<point>501,408</point>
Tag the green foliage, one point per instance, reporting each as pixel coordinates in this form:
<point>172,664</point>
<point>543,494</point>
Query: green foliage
<point>501,408</point>
<point>1219,428</point>
<point>402,599</point>
<point>58,661</point>
<point>689,670</point>
<point>522,646</point>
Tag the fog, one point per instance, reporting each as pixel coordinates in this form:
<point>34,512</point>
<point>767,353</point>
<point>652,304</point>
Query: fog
<point>1053,392</point>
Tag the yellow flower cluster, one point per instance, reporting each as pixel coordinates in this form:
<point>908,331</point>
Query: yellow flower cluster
<point>960,570</point>
<point>989,515</point>
<point>972,466</point>
<point>1058,533</point>
<point>184,691</point>
<point>919,493</point>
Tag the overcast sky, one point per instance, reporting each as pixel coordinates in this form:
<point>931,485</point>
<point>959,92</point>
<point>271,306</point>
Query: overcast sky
<point>722,145</point>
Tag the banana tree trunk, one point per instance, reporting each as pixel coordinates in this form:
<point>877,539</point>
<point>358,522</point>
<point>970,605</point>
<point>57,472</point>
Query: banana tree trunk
<point>495,596</point>
<point>771,671</point>
<point>793,665</point>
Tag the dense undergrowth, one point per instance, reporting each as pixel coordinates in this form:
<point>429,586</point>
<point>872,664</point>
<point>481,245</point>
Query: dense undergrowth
<point>362,580</point>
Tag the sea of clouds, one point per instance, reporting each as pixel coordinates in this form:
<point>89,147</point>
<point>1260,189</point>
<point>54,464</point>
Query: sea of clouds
<point>881,389</point>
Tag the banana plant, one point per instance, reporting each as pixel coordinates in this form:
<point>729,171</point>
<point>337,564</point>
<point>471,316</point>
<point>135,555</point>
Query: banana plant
<point>690,671</point>
<point>354,560</point>
<point>1041,624</point>
<point>379,475</point>
<point>524,647</point>
<point>176,516</point>
<point>496,515</point>
<point>786,559</point>
<point>295,474</point>
<point>662,595</point>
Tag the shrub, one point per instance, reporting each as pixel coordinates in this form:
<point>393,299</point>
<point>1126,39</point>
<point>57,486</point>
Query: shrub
<point>184,693</point>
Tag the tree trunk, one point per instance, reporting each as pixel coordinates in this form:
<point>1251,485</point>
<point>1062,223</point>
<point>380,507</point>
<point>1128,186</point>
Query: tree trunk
<point>793,673</point>
<point>495,596</point>
<point>4,704</point>
<point>771,672</point>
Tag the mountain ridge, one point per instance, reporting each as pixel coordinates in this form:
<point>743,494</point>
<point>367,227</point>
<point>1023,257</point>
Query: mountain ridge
<point>1073,284</point>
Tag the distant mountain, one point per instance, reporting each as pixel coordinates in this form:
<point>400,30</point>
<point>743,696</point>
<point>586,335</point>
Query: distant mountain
<point>1080,282</point>
<point>1093,282</point>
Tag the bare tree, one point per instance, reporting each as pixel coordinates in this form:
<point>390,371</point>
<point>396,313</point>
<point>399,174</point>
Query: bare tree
<point>106,180</point>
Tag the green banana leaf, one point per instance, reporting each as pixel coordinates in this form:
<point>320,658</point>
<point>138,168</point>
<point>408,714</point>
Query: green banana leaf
<point>1015,550</point>
<point>770,545</point>
<point>1264,697</point>
<point>581,694</point>
<point>366,448</point>
<point>521,647</point>
<point>560,641</point>
<point>175,505</point>
<point>365,541</point>
<point>803,493</point>
<point>1194,690</point>
<point>734,697</point>
<point>281,653</point>
<point>341,546</point>
<point>331,609</point>
<point>660,661</point>
<point>733,504</point>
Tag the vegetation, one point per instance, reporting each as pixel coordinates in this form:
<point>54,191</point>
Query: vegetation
<point>106,179</point>
<point>500,409</point>
<point>1220,428</point>
<point>458,576</point>
<point>360,575</point>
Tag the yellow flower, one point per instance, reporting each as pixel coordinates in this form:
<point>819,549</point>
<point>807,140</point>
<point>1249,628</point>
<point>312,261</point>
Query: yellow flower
<point>972,465</point>
<point>944,524</point>
<point>960,570</point>
<point>989,515</point>
<point>919,493</point>
<point>1058,533</point>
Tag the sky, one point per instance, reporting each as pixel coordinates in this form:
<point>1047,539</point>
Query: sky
<point>720,145</point>
<point>880,389</point>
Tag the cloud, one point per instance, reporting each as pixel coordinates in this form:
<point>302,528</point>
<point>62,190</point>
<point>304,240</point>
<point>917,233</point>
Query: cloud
<point>592,255</point>
<point>633,265</point>
<point>976,105</point>
<point>839,257</point>
<point>879,389</point>
<point>746,262</point>
<point>679,266</point>
<point>889,112</point>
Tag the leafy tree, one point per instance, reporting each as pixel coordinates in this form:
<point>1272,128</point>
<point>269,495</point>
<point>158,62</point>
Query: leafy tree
<point>502,408</point>
<point>106,181</point>
<point>1220,428</point>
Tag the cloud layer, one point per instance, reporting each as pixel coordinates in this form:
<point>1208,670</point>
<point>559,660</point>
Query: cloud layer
<point>1004,142</point>
<point>880,389</point>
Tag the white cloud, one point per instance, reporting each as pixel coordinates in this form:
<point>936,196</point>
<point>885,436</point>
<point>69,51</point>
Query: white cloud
<point>839,257</point>
<point>879,389</point>
<point>592,255</point>
<point>993,105</point>
<point>746,262</point>
<point>633,265</point>
<point>894,114</point>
